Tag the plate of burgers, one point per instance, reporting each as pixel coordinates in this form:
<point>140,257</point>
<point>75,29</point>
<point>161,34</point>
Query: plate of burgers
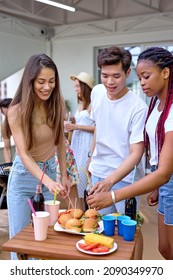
<point>75,221</point>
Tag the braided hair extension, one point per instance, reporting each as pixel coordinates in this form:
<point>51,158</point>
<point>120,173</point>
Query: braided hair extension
<point>161,58</point>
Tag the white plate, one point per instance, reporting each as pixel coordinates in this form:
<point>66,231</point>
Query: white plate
<point>94,253</point>
<point>58,227</point>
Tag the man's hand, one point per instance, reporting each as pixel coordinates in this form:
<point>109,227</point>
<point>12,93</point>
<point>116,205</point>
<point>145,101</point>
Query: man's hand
<point>99,200</point>
<point>102,186</point>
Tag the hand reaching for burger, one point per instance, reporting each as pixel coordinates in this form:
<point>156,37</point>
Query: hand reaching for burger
<point>99,200</point>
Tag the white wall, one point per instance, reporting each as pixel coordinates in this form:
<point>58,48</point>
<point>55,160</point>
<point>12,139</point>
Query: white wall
<point>70,55</point>
<point>15,51</point>
<point>72,58</point>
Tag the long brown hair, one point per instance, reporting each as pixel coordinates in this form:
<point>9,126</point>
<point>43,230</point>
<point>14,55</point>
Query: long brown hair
<point>85,95</point>
<point>25,97</point>
<point>161,58</point>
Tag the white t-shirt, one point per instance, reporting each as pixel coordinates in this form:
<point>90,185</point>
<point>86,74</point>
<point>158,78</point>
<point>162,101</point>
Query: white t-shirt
<point>151,131</point>
<point>119,123</point>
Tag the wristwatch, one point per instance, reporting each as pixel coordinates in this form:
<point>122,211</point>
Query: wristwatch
<point>89,154</point>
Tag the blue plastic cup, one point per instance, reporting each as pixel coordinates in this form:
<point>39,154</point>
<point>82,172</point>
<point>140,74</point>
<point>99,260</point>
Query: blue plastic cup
<point>129,228</point>
<point>109,225</point>
<point>120,226</point>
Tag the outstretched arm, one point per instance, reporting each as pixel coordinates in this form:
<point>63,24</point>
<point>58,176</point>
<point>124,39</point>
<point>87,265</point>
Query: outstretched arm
<point>136,152</point>
<point>145,185</point>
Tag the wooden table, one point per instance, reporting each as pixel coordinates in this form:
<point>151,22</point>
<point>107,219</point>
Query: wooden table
<point>62,246</point>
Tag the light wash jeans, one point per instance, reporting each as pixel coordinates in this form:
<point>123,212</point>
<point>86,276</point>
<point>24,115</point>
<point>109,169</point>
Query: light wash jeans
<point>119,206</point>
<point>21,186</point>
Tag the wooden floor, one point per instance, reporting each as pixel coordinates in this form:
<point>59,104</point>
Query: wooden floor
<point>149,230</point>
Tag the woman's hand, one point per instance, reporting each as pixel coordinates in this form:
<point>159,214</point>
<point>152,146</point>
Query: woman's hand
<point>57,187</point>
<point>70,126</point>
<point>153,198</point>
<point>99,200</point>
<point>103,186</point>
<point>65,182</point>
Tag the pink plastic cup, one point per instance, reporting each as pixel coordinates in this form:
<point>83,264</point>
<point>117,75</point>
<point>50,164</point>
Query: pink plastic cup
<point>66,122</point>
<point>53,210</point>
<point>41,221</point>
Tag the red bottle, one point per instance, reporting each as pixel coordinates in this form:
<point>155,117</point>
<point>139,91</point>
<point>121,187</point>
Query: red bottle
<point>38,200</point>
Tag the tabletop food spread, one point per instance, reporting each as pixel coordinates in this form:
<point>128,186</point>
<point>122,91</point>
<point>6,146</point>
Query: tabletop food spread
<point>78,222</point>
<point>89,224</point>
<point>92,243</point>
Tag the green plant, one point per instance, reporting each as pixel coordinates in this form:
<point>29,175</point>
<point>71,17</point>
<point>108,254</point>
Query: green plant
<point>67,105</point>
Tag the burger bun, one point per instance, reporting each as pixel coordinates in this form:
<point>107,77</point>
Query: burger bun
<point>74,224</point>
<point>64,218</point>
<point>91,213</point>
<point>90,225</point>
<point>76,213</point>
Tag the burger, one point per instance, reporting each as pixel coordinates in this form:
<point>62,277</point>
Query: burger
<point>91,213</point>
<point>63,218</point>
<point>74,224</point>
<point>90,225</point>
<point>76,213</point>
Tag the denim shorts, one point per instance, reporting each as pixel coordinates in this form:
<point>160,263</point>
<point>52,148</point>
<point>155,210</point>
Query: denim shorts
<point>165,205</point>
<point>118,206</point>
<point>165,200</point>
<point>21,186</point>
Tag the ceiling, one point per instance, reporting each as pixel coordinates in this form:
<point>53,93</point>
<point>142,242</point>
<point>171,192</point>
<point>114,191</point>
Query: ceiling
<point>92,17</point>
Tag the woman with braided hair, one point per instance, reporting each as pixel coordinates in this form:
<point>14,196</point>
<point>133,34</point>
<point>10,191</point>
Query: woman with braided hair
<point>155,72</point>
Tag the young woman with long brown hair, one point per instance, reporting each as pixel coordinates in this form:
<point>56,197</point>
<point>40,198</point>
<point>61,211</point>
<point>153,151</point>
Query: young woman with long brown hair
<point>35,119</point>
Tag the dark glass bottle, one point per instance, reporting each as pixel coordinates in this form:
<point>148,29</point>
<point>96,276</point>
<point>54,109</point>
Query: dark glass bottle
<point>38,199</point>
<point>130,208</point>
<point>86,191</point>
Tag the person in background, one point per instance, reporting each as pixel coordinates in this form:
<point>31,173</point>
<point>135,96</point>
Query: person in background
<point>155,72</point>
<point>35,120</point>
<point>71,169</point>
<point>83,128</point>
<point>119,115</point>
<point>72,176</point>
<point>4,104</point>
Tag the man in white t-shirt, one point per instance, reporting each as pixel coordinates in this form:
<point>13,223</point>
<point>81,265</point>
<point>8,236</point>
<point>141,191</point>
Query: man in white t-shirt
<point>119,115</point>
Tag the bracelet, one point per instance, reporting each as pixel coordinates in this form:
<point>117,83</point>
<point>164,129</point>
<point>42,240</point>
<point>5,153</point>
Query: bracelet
<point>89,154</point>
<point>113,196</point>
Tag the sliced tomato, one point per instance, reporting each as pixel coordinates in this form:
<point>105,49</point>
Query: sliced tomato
<point>88,247</point>
<point>100,249</point>
<point>82,245</point>
<point>64,212</point>
<point>91,246</point>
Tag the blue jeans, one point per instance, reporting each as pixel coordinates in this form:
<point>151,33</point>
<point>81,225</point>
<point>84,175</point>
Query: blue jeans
<point>117,207</point>
<point>21,186</point>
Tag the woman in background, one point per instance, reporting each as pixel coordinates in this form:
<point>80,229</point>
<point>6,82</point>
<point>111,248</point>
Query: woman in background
<point>83,128</point>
